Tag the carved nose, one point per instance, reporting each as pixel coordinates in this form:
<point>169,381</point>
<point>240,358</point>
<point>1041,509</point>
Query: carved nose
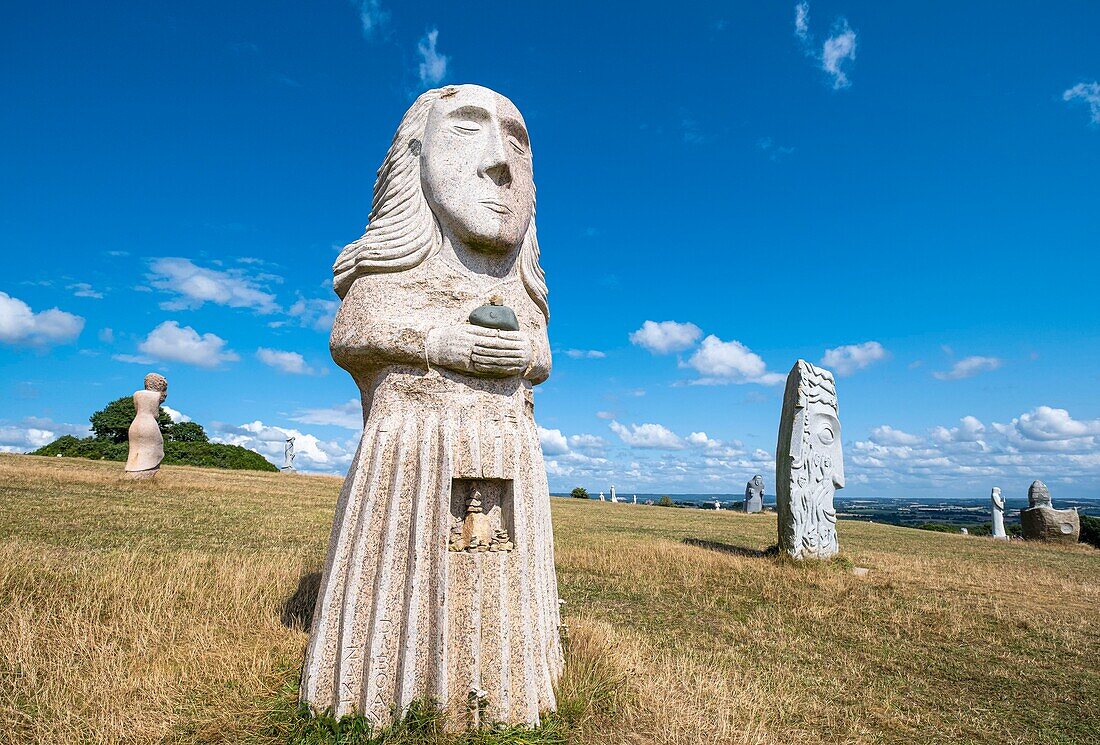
<point>500,174</point>
<point>494,164</point>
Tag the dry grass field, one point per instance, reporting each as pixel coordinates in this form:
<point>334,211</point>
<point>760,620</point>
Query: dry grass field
<point>172,612</point>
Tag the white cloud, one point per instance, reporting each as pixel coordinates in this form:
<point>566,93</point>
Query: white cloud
<point>968,367</point>
<point>177,416</point>
<point>838,49</point>
<point>195,285</point>
<point>170,343</point>
<point>1046,423</point>
<point>720,362</point>
<point>1090,94</point>
<point>83,289</point>
<point>605,415</point>
<point>553,442</point>
<point>288,362</point>
<point>970,429</point>
<point>655,436</point>
<point>666,336</point>
<point>802,21</point>
<point>21,325</point>
<point>315,313</point>
<point>887,435</point>
<point>312,453</point>
<point>34,432</point>
<point>372,16</point>
<point>584,354</point>
<point>348,415</point>
<point>848,359</point>
<point>107,335</point>
<point>586,442</point>
<point>433,65</point>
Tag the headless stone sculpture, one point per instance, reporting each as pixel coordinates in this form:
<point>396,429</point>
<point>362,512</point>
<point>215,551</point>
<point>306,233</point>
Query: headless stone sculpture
<point>439,583</point>
<point>754,494</point>
<point>1041,522</point>
<point>998,505</point>
<point>145,442</point>
<point>809,464</point>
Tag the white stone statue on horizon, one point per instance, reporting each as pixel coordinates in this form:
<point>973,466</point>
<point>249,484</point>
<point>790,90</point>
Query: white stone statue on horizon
<point>439,582</point>
<point>809,464</point>
<point>145,442</point>
<point>288,454</point>
<point>601,497</point>
<point>998,504</point>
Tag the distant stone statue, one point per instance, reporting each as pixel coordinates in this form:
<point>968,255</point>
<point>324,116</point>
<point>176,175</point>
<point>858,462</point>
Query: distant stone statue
<point>1041,522</point>
<point>809,464</point>
<point>754,494</point>
<point>288,454</point>
<point>145,441</point>
<point>439,582</point>
<point>998,514</point>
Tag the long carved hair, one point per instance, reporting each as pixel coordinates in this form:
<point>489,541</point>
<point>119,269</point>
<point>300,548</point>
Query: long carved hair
<point>402,231</point>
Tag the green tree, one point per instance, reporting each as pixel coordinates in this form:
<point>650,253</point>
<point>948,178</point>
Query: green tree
<point>579,493</point>
<point>665,501</point>
<point>185,432</point>
<point>112,422</point>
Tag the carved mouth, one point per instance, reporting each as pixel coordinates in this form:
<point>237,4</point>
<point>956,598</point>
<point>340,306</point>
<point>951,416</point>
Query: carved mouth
<point>497,207</point>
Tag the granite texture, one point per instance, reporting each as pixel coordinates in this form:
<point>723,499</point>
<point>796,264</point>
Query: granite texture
<point>809,464</point>
<point>145,443</point>
<point>439,581</point>
<point>1041,522</point>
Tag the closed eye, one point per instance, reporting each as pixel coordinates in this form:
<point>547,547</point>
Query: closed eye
<point>467,128</point>
<point>517,146</point>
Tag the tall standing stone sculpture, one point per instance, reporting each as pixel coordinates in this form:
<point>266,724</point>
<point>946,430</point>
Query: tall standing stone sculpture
<point>288,454</point>
<point>1041,522</point>
<point>439,582</point>
<point>145,441</point>
<point>809,464</point>
<point>998,507</point>
<point>754,494</point>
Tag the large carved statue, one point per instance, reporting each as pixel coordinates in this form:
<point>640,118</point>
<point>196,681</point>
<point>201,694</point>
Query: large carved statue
<point>439,582</point>
<point>998,514</point>
<point>754,494</point>
<point>145,441</point>
<point>1041,522</point>
<point>809,464</point>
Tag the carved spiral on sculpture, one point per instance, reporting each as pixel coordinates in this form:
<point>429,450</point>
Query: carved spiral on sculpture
<point>402,232</point>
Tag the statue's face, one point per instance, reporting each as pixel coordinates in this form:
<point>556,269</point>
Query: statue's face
<point>476,168</point>
<point>824,432</point>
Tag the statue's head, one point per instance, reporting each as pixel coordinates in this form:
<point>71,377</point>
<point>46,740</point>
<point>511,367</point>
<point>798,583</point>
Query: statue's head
<point>818,446</point>
<point>461,163</point>
<point>158,383</point>
<point>758,481</point>
<point>1038,495</point>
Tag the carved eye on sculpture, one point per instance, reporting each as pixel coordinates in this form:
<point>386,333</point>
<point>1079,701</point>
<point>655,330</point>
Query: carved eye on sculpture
<point>517,146</point>
<point>826,436</point>
<point>467,128</point>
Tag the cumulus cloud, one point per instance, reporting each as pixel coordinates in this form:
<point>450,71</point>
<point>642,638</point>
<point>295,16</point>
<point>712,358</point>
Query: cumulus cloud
<point>21,325</point>
<point>33,432</point>
<point>887,435</point>
<point>1047,423</point>
<point>553,441</point>
<point>838,50</point>
<point>720,362</point>
<point>433,65</point>
<point>177,416</point>
<point>315,313</point>
<point>848,359</point>
<point>655,436</point>
<point>666,336</point>
<point>288,362</point>
<point>584,354</point>
<point>970,429</point>
<point>968,367</point>
<point>372,16</point>
<point>312,454</point>
<point>1089,93</point>
<point>168,342</point>
<point>194,285</point>
<point>83,289</point>
<point>348,415</point>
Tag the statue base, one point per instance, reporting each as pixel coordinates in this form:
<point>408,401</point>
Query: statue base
<point>141,475</point>
<point>1051,525</point>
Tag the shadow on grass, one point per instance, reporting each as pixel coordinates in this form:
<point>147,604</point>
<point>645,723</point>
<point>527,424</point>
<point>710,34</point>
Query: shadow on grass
<point>298,608</point>
<point>726,548</point>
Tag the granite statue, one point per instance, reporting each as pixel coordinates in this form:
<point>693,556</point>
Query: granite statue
<point>145,442</point>
<point>439,582</point>
<point>288,454</point>
<point>754,494</point>
<point>1041,522</point>
<point>809,464</point>
<point>998,507</point>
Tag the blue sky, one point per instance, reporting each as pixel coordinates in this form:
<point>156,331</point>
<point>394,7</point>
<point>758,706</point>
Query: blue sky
<point>721,192</point>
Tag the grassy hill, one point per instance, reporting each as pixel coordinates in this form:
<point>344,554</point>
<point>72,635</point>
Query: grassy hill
<point>172,612</point>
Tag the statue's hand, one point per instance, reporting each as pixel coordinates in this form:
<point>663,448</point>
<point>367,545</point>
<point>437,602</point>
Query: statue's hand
<point>477,350</point>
